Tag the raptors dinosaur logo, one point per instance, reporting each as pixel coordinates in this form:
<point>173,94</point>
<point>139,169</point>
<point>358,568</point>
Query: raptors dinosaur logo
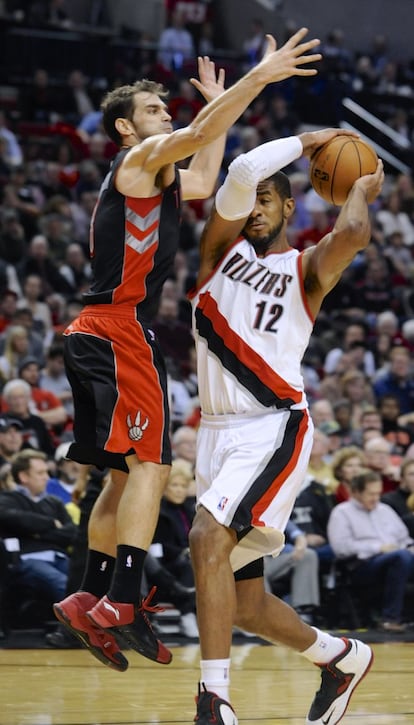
<point>136,430</point>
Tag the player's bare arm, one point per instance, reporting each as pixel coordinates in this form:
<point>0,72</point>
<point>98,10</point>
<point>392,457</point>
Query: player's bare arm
<point>324,263</point>
<point>198,181</point>
<point>218,115</point>
<point>221,232</point>
<point>217,236</point>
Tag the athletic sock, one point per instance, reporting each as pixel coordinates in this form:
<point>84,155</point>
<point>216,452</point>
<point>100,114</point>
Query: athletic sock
<point>215,675</point>
<point>324,649</point>
<point>98,573</point>
<point>126,580</point>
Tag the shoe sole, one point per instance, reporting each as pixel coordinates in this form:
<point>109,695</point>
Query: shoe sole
<point>339,714</point>
<point>122,663</point>
<point>125,636</point>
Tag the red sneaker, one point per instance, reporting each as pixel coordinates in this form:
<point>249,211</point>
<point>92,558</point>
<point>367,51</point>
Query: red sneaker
<point>132,625</point>
<point>72,613</point>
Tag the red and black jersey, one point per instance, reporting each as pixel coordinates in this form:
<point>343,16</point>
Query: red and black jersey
<point>133,242</point>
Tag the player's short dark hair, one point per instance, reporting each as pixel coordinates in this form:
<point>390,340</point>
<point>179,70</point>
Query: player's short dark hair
<point>282,184</point>
<point>119,103</point>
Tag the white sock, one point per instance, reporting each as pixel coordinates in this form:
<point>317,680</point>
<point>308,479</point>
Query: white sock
<point>215,674</point>
<point>324,649</point>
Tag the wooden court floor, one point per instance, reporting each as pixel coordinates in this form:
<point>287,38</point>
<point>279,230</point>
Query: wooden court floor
<point>270,685</point>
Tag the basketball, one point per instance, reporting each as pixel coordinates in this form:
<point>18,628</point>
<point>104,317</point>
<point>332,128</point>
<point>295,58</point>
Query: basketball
<point>337,164</point>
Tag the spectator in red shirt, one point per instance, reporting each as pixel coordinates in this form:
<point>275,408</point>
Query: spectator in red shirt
<point>47,404</point>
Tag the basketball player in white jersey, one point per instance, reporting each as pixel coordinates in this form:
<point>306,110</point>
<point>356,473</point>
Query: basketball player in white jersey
<point>253,312</point>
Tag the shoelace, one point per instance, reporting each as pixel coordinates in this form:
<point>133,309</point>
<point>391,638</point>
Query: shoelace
<point>145,604</point>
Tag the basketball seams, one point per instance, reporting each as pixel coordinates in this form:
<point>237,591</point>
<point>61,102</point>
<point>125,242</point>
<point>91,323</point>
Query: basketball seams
<point>336,165</point>
<point>341,151</point>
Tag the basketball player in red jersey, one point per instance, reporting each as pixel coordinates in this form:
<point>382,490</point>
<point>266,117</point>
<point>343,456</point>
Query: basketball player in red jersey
<point>111,355</point>
<point>253,314</point>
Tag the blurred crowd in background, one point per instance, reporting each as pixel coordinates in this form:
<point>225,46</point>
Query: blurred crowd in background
<point>358,369</point>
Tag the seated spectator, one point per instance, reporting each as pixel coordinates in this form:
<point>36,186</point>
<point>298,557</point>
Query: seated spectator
<point>6,481</point>
<point>12,238</point>
<point>394,220</point>
<point>13,153</point>
<point>354,332</point>
<point>311,514</point>
<point>388,323</point>
<point>174,336</point>
<point>39,102</point>
<point>11,438</point>
<point>370,420</point>
<point>379,542</point>
<point>378,458</point>
<point>399,436</point>
<point>32,288</point>
<point>186,97</point>
<point>254,44</point>
<point>399,380</point>
<point>42,525</point>
<point>45,403</point>
<point>347,463</point>
<point>16,348</point>
<point>23,318</point>
<point>320,222</point>
<point>175,44</point>
<point>17,396</point>
<point>402,499</point>
<point>184,444</point>
<point>76,269</point>
<point>321,411</point>
<point>376,290</point>
<point>332,430</point>
<point>63,480</point>
<point>171,535</point>
<point>355,387</point>
<point>38,261</point>
<point>302,565</point>
<point>319,468</point>
<point>53,378</point>
<point>76,100</point>
<point>343,416</point>
<point>64,475</point>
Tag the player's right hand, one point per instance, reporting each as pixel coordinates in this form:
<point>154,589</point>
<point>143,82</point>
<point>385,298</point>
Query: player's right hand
<point>371,184</point>
<point>285,62</point>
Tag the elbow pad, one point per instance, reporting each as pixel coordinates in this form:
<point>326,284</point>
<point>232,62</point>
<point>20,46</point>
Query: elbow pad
<point>236,198</point>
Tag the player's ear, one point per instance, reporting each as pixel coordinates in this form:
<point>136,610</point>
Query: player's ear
<point>123,126</point>
<point>288,207</point>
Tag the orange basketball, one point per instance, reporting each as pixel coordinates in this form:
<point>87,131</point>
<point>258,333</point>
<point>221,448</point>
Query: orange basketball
<point>337,164</point>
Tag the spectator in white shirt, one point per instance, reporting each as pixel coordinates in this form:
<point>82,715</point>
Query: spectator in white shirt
<point>378,541</point>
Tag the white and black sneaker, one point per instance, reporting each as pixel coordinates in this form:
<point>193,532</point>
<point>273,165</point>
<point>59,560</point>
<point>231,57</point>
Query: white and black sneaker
<point>339,680</point>
<point>212,709</point>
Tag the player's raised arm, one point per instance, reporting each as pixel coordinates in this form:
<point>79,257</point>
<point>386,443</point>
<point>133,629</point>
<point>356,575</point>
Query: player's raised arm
<point>236,197</point>
<point>324,263</point>
<point>221,113</point>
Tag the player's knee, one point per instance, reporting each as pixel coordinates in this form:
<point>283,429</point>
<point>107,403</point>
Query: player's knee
<point>209,540</point>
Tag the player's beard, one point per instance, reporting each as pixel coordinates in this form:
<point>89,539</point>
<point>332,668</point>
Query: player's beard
<point>261,245</point>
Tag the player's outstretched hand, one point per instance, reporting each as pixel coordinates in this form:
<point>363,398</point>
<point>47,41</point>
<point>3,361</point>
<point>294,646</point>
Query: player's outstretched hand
<point>211,84</point>
<point>285,62</point>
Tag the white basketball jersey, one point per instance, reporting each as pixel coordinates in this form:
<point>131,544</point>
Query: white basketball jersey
<point>251,326</point>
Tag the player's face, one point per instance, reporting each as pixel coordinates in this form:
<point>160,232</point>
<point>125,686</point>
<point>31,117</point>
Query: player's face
<point>150,116</point>
<point>267,219</point>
